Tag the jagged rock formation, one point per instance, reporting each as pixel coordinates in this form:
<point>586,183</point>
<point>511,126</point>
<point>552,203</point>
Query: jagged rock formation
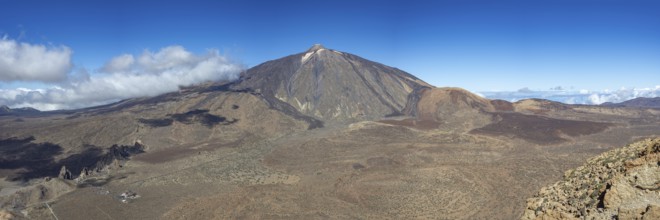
<point>118,153</point>
<point>109,160</point>
<point>65,174</point>
<point>619,184</point>
<point>333,85</point>
<point>84,173</point>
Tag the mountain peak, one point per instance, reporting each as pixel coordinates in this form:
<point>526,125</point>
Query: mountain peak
<point>331,85</point>
<point>316,47</point>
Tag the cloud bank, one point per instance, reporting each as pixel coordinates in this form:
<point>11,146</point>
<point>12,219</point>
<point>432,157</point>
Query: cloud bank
<point>125,76</point>
<point>577,97</point>
<point>29,62</point>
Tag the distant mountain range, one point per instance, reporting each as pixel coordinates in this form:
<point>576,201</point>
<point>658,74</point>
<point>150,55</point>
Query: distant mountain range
<point>582,97</point>
<point>641,102</point>
<point>4,110</point>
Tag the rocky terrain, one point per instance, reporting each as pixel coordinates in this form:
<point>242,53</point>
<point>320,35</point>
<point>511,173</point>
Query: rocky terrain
<point>318,134</point>
<point>623,183</point>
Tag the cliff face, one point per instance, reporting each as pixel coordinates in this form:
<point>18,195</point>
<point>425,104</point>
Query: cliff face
<point>619,184</point>
<point>333,85</point>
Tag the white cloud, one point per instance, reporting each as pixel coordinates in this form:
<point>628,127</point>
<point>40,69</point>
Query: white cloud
<point>579,96</point>
<point>118,64</point>
<point>33,62</point>
<point>124,76</point>
<point>623,94</point>
<point>166,58</point>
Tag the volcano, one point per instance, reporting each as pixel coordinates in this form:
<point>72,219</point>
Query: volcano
<point>333,85</point>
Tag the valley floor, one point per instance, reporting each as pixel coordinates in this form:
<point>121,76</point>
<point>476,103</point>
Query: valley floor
<point>366,170</point>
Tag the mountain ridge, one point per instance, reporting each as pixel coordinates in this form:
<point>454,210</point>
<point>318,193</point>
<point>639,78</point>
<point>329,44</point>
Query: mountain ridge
<point>640,102</point>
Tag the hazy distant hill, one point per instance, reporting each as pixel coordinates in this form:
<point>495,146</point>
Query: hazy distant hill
<point>4,110</point>
<point>637,102</point>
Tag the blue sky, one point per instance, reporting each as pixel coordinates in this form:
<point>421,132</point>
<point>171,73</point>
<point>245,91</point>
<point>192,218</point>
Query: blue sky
<point>477,45</point>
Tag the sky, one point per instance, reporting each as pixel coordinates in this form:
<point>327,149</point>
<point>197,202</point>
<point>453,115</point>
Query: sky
<point>71,54</point>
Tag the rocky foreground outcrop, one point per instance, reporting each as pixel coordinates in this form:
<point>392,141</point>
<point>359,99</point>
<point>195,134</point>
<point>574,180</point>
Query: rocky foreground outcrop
<point>7,215</point>
<point>619,184</point>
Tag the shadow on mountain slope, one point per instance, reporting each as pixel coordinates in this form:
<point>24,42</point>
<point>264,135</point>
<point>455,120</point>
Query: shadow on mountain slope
<point>38,160</point>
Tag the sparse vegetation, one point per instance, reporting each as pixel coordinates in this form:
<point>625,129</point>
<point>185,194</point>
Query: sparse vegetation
<point>606,187</point>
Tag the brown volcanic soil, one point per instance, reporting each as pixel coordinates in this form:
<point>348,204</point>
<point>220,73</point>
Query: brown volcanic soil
<point>447,109</point>
<point>413,123</point>
<point>371,170</point>
<point>448,103</point>
<point>365,170</point>
<point>266,164</point>
<point>502,106</point>
<point>170,154</point>
<point>539,106</point>
<point>539,129</point>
